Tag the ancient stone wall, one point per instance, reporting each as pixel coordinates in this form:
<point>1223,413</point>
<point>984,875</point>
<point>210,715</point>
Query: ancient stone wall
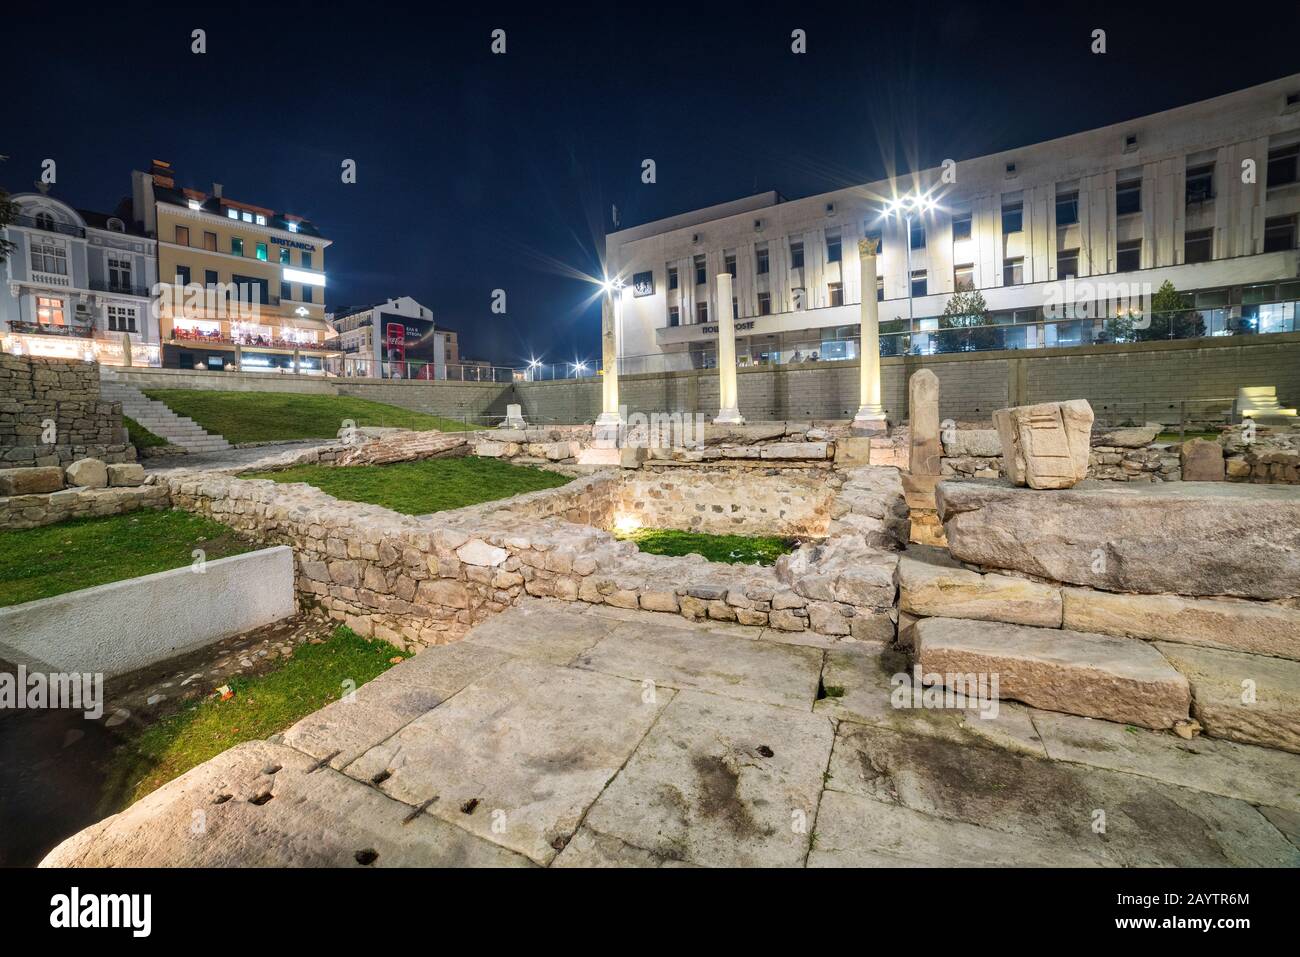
<point>30,511</point>
<point>728,502</point>
<point>38,395</point>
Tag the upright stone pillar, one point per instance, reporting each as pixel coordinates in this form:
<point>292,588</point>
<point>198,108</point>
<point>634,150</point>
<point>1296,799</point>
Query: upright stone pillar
<point>870,418</point>
<point>923,421</point>
<point>610,421</point>
<point>728,403</point>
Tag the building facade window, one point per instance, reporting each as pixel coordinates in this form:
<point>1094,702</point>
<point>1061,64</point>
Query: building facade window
<point>833,248</point>
<point>306,259</point>
<point>919,283</point>
<point>1067,263</point>
<point>674,316</point>
<point>672,274</point>
<point>796,255</point>
<point>961,224</point>
<point>1282,165</point>
<point>182,235</point>
<point>286,291</point>
<point>49,256</point>
<point>761,264</point>
<point>1128,256</point>
<point>236,246</point>
<point>701,311</point>
<point>1013,271</point>
<point>701,275</point>
<point>1200,183</point>
<point>835,293</point>
<point>880,289</point>
<point>918,236</point>
<point>1013,216</point>
<point>121,318</point>
<point>729,264</point>
<point>119,274</point>
<point>735,308</point>
<point>210,241</point>
<point>261,251</point>
<point>232,214</point>
<point>209,278</point>
<point>182,275</point>
<point>1198,246</point>
<point>1067,208</point>
<point>963,276</point>
<point>1279,233</point>
<point>284,257</point>
<point>1128,197</point>
<point>306,294</point>
<point>49,312</point>
<point>764,303</point>
<point>44,221</point>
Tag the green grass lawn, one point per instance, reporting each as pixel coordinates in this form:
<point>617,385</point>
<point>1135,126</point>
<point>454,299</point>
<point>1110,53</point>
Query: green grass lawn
<point>262,705</point>
<point>734,549</point>
<point>53,559</point>
<point>141,437</point>
<point>417,488</point>
<point>280,416</point>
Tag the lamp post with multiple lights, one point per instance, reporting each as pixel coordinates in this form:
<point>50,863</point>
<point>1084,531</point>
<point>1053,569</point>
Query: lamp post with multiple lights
<point>904,207</point>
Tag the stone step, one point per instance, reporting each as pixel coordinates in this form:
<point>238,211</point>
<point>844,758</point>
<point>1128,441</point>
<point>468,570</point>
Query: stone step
<point>933,590</point>
<point>157,418</point>
<point>1097,676</point>
<point>1252,699</point>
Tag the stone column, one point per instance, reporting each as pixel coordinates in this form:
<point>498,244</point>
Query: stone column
<point>926,451</point>
<point>870,417</point>
<point>611,419</point>
<point>729,407</point>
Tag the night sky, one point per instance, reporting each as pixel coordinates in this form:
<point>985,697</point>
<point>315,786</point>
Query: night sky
<point>478,172</point>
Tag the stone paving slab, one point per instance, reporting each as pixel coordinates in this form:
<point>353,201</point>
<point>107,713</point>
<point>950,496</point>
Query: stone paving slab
<point>676,621</point>
<point>708,661</point>
<point>1147,824</point>
<point>519,755</point>
<point>345,729</point>
<point>856,831</point>
<point>719,782</point>
<point>1257,775</point>
<point>551,631</point>
<point>263,805</point>
<point>862,684</point>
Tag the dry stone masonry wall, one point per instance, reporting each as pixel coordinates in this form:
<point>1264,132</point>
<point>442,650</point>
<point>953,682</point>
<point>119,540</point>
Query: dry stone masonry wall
<point>38,394</point>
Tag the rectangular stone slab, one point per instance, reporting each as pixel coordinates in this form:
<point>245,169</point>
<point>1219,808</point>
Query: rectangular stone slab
<point>1246,698</point>
<point>1098,676</point>
<point>721,783</point>
<point>937,591</point>
<point>1182,538</point>
<point>519,755</point>
<point>1260,628</point>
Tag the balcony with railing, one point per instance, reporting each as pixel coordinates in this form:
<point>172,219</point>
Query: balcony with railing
<point>49,226</point>
<point>124,289</point>
<point>73,331</point>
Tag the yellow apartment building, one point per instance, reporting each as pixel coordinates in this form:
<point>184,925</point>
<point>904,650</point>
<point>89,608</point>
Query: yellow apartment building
<point>241,286</point>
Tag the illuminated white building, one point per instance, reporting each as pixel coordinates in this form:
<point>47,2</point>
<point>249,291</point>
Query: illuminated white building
<point>77,282</point>
<point>1204,196</point>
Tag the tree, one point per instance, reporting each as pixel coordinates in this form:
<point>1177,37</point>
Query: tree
<point>8,213</point>
<point>1172,317</point>
<point>968,312</point>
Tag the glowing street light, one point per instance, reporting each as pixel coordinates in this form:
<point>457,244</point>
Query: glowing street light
<point>904,208</point>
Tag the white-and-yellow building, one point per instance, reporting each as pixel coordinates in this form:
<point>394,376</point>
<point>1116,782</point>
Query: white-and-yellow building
<point>242,286</point>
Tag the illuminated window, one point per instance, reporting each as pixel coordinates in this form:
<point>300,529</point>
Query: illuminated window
<point>246,216</point>
<point>236,246</point>
<point>261,220</point>
<point>261,251</point>
<point>49,312</point>
<point>232,213</point>
<point>836,291</point>
<point>963,277</point>
<point>284,256</point>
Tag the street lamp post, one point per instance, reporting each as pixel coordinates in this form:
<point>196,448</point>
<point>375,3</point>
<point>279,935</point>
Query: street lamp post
<point>610,422</point>
<point>904,207</point>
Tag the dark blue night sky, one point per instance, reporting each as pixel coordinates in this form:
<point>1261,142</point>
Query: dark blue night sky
<point>478,172</point>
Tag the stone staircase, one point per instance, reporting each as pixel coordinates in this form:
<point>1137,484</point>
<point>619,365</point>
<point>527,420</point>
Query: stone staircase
<point>160,420</point>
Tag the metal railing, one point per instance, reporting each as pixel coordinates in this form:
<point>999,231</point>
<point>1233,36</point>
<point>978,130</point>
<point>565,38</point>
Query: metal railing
<point>48,226</point>
<point>355,367</point>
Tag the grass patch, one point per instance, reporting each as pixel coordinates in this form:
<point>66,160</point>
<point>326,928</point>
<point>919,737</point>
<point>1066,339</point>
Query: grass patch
<point>54,559</point>
<point>417,488</point>
<point>733,549</point>
<point>262,706</point>
<point>280,416</point>
<point>141,437</point>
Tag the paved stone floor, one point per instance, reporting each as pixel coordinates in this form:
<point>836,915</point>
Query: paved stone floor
<point>561,734</point>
